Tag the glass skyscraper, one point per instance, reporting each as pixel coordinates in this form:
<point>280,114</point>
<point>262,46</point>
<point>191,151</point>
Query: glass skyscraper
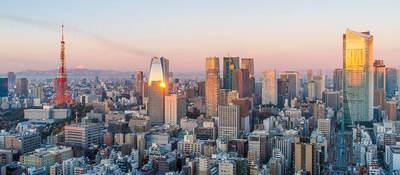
<point>158,87</point>
<point>230,63</point>
<point>212,86</point>
<point>3,87</point>
<point>357,77</point>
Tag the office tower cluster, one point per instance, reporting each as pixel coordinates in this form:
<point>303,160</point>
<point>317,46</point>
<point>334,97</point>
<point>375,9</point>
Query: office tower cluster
<point>232,118</point>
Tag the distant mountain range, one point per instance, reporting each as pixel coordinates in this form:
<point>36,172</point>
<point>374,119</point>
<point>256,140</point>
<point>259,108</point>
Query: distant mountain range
<point>75,73</point>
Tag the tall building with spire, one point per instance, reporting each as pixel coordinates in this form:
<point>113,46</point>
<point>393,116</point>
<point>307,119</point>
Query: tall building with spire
<point>357,77</point>
<point>212,86</point>
<point>62,98</point>
<point>230,64</point>
<point>158,87</point>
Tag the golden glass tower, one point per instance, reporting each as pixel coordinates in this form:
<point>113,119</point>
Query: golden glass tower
<point>357,77</point>
<point>212,86</point>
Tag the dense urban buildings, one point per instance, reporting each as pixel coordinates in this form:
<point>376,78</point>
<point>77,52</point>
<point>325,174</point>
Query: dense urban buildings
<point>239,118</point>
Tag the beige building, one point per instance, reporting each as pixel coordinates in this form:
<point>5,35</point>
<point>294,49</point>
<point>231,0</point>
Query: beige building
<point>269,87</point>
<point>83,134</point>
<point>226,96</point>
<point>229,122</point>
<point>175,109</point>
<point>212,86</point>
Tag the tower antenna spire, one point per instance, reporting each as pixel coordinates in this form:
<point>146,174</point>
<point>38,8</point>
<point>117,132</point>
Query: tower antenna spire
<point>62,32</point>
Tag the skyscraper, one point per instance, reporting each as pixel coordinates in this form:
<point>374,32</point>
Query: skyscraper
<point>3,87</point>
<point>230,63</point>
<point>248,63</point>
<point>139,86</point>
<point>391,81</point>
<point>229,122</point>
<point>175,109</point>
<point>338,80</point>
<point>379,75</point>
<point>212,86</point>
<point>283,91</point>
<point>379,83</point>
<point>319,85</point>
<point>11,79</point>
<point>269,87</point>
<point>22,87</point>
<point>158,82</point>
<point>309,75</point>
<point>241,82</point>
<point>293,79</point>
<point>357,77</point>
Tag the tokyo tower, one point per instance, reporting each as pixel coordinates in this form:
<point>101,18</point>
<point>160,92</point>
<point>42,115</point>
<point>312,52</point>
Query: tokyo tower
<point>62,98</point>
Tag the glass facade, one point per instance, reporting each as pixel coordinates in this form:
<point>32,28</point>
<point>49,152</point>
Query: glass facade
<point>212,86</point>
<point>158,82</point>
<point>3,87</point>
<point>357,77</point>
<point>230,63</point>
<point>159,70</point>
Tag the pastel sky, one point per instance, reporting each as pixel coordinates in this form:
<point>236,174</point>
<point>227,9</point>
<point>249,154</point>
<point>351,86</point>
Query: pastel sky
<point>124,35</point>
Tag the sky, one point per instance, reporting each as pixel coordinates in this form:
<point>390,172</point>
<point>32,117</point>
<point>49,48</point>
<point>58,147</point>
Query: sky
<point>124,35</point>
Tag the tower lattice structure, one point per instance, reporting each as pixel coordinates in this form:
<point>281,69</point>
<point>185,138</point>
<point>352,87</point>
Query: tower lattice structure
<point>62,98</point>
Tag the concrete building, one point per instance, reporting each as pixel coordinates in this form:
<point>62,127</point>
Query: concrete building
<point>175,109</point>
<point>269,87</point>
<point>229,122</point>
<point>83,135</point>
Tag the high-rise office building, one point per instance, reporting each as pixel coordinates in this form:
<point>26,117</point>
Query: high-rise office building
<point>22,87</point>
<point>283,92</point>
<point>269,87</point>
<point>309,75</point>
<point>229,122</point>
<point>379,83</point>
<point>139,86</point>
<point>175,109</point>
<point>357,77</point>
<point>3,87</point>
<point>11,79</point>
<point>241,82</point>
<point>293,79</point>
<point>391,110</point>
<point>212,86</point>
<point>338,79</point>
<point>248,63</point>
<point>258,143</point>
<point>306,156</point>
<point>230,64</point>
<point>226,96</point>
<point>391,82</point>
<point>319,86</point>
<point>158,87</point>
<point>379,75</point>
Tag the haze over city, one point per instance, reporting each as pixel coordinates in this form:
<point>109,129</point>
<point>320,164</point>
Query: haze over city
<point>123,35</point>
<point>199,88</point>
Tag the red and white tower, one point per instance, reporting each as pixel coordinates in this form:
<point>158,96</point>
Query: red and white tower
<point>62,98</point>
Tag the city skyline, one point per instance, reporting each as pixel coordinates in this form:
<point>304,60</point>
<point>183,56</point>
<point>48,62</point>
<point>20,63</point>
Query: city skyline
<point>186,33</point>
